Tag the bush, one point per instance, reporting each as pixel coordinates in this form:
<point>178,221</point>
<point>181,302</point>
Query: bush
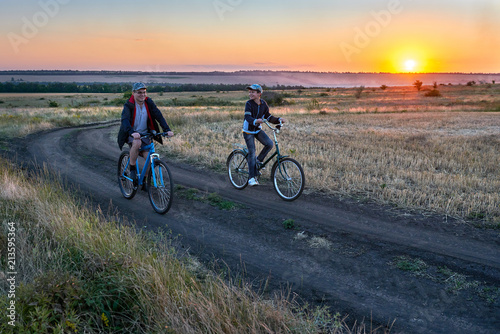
<point>53,104</point>
<point>197,102</point>
<point>383,87</point>
<point>115,102</point>
<point>433,93</point>
<point>274,99</point>
<point>51,302</point>
<point>358,92</point>
<point>313,105</point>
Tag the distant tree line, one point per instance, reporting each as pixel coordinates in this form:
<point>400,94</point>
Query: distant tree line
<point>72,87</point>
<point>61,87</point>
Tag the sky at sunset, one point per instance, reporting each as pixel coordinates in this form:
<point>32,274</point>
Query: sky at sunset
<point>230,35</point>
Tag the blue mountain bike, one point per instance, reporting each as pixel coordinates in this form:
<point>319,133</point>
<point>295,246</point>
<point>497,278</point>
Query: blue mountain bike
<point>155,177</point>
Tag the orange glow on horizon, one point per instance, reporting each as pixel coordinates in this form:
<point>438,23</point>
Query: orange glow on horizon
<point>396,49</point>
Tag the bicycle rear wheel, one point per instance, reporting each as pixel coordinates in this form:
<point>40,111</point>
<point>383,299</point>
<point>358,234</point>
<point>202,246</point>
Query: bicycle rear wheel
<point>160,187</point>
<point>288,179</point>
<point>126,185</point>
<point>237,169</point>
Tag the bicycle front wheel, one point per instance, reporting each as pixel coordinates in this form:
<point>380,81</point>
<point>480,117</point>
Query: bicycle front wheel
<point>126,185</point>
<point>288,179</point>
<point>237,169</point>
<point>160,187</point>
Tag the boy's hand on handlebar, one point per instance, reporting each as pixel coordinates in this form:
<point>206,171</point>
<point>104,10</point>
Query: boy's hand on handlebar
<point>259,121</point>
<point>170,134</point>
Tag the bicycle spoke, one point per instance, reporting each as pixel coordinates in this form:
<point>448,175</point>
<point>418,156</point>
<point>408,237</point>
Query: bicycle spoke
<point>288,178</point>
<point>160,187</point>
<point>237,168</point>
<point>124,181</point>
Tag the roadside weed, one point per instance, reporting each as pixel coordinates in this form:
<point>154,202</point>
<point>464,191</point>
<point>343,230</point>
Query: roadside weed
<point>453,282</point>
<point>319,242</point>
<point>213,199</point>
<point>288,224</point>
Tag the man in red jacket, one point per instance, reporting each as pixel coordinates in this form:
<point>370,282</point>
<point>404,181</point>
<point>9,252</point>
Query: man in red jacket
<point>140,115</point>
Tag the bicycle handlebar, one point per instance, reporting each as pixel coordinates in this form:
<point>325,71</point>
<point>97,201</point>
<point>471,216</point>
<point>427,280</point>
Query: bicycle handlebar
<point>277,128</point>
<point>154,134</point>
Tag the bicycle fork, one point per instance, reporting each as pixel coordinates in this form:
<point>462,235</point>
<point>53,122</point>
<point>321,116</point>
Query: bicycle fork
<point>153,158</point>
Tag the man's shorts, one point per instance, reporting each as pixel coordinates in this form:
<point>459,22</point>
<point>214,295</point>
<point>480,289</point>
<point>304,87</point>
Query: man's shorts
<point>145,141</point>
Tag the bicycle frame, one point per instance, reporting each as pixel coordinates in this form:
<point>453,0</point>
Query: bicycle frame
<point>276,153</point>
<point>276,144</point>
<point>152,156</point>
<point>155,176</point>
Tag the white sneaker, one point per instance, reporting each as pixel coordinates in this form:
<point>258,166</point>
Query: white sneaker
<point>253,182</point>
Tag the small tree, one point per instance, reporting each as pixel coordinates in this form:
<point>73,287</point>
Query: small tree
<point>383,87</point>
<point>418,84</point>
<point>358,92</point>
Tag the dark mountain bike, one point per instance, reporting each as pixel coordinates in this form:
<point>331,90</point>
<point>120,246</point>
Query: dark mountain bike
<point>287,174</point>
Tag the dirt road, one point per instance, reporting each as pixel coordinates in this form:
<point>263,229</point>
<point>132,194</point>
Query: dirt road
<point>352,270</point>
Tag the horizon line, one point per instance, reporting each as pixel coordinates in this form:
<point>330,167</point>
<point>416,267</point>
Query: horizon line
<point>240,71</point>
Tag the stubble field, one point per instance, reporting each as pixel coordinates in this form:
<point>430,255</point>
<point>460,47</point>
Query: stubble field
<point>391,146</point>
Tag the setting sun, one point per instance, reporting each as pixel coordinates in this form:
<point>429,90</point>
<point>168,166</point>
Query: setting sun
<point>410,65</point>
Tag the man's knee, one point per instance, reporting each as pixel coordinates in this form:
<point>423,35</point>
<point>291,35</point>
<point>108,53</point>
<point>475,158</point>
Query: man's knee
<point>136,144</point>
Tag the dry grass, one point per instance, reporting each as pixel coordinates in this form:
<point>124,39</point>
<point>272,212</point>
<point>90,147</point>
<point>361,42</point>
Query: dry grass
<point>393,146</point>
<point>429,156</point>
<point>81,272</point>
<point>445,162</point>
<point>319,242</point>
<point>19,122</point>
